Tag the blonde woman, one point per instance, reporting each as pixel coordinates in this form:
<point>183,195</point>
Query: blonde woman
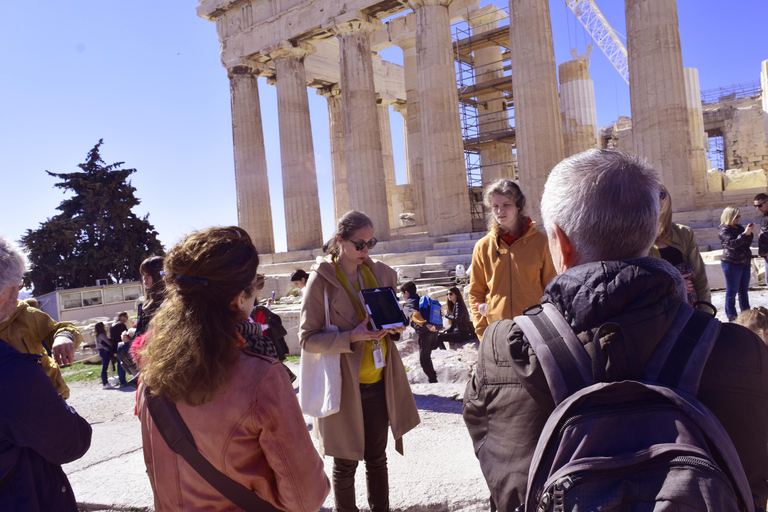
<point>511,265</point>
<point>676,244</point>
<point>736,260</point>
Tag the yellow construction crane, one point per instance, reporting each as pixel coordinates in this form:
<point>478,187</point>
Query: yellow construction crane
<point>600,30</point>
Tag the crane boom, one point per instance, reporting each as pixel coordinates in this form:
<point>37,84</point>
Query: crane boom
<point>600,30</point>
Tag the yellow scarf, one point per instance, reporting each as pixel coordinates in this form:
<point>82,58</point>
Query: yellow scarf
<point>368,372</point>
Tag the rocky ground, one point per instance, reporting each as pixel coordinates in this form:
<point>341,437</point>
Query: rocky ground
<point>439,471</point>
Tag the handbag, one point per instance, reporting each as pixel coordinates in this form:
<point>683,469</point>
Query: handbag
<point>176,434</point>
<point>320,377</point>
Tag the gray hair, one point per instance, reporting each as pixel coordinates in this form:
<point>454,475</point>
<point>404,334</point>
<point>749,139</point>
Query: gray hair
<point>606,203</point>
<point>13,263</point>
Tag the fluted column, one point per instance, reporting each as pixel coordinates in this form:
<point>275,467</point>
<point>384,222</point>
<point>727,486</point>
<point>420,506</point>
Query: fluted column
<point>388,155</point>
<point>577,106</point>
<point>413,130</point>
<point>660,127</point>
<point>697,135</point>
<point>496,159</point>
<point>254,213</point>
<point>338,163</point>
<point>538,132</point>
<point>366,185</point>
<point>445,176</point>
<point>297,153</point>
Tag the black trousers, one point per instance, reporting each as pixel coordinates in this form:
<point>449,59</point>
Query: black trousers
<point>427,341</point>
<point>375,426</point>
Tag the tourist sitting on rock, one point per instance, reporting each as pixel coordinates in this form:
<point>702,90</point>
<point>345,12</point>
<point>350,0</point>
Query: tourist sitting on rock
<point>375,393</point>
<point>601,212</point>
<point>229,388</point>
<point>426,332</point>
<point>511,265</point>
<point>461,328</point>
<point>676,244</point>
<point>27,329</point>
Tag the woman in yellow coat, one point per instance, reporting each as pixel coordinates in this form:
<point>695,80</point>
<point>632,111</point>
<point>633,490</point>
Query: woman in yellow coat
<point>511,265</point>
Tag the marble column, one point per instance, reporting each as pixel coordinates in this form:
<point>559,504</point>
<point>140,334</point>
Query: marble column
<point>538,129</point>
<point>764,86</point>
<point>254,213</point>
<point>660,126</point>
<point>413,130</point>
<point>366,185</point>
<point>388,155</point>
<point>302,205</point>
<point>577,106</point>
<point>697,135</point>
<point>445,176</point>
<point>338,163</point>
<point>496,158</point>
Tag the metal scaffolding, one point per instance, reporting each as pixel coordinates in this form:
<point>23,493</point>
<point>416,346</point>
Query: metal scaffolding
<point>470,91</point>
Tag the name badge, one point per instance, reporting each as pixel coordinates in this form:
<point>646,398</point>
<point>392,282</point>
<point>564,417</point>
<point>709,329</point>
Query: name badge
<point>378,355</point>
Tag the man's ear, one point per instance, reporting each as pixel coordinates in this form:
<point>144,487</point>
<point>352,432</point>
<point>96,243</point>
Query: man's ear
<point>563,254</point>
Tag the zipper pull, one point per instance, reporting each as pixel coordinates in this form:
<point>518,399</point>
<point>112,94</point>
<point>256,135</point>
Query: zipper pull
<point>561,486</point>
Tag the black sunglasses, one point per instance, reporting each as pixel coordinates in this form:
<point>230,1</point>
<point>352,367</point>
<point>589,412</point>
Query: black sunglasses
<point>662,195</point>
<point>760,204</point>
<point>359,246</point>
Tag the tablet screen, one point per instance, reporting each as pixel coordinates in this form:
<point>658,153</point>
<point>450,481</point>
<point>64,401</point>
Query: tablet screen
<point>383,307</point>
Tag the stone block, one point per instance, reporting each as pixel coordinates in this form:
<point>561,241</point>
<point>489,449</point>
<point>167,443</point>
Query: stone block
<point>715,179</point>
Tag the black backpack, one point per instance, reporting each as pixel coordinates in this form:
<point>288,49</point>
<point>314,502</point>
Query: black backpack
<point>645,444</point>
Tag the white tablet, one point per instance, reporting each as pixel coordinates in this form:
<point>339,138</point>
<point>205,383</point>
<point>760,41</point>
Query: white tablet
<point>383,307</point>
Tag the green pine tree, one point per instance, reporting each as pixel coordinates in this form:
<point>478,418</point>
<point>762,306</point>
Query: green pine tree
<point>96,235</point>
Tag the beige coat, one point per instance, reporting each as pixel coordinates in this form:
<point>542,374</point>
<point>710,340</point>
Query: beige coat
<point>508,279</point>
<point>341,434</point>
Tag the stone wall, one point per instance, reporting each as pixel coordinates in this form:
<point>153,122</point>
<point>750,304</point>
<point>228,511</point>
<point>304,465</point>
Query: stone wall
<point>741,122</point>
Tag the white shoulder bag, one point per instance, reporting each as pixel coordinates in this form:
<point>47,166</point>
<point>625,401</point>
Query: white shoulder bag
<point>320,378</point>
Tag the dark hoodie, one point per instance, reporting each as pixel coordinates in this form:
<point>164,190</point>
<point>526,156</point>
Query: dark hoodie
<point>507,401</point>
<point>38,433</point>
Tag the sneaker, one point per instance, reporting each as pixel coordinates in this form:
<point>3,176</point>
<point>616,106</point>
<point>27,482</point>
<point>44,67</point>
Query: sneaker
<point>124,384</point>
<point>106,386</point>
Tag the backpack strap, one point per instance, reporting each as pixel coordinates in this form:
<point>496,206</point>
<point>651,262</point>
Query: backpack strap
<point>179,439</point>
<point>679,359</point>
<point>566,364</point>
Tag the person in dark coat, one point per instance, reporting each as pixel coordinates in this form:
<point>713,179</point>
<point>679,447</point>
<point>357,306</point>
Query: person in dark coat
<point>601,212</point>
<point>736,260</point>
<point>38,433</point>
<point>461,328</point>
<point>426,331</point>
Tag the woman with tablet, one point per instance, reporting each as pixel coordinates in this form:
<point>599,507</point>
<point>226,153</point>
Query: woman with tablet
<point>374,390</point>
<point>511,265</point>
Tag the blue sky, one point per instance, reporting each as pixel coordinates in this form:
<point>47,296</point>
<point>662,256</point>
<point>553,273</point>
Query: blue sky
<point>147,78</point>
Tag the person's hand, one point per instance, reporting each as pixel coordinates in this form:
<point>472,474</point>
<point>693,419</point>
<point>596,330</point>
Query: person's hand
<point>688,282</point>
<point>361,332</point>
<point>125,338</point>
<point>63,351</point>
<point>482,308</point>
<point>396,329</point>
<point>431,327</point>
<point>749,228</point>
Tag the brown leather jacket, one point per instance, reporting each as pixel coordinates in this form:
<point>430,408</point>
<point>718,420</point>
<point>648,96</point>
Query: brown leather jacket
<point>341,434</point>
<point>254,433</point>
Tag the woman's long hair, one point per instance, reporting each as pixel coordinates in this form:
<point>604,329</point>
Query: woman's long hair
<point>100,329</point>
<point>508,189</point>
<point>456,293</point>
<point>346,225</point>
<point>153,267</point>
<point>665,217</point>
<point>729,215</point>
<point>190,351</point>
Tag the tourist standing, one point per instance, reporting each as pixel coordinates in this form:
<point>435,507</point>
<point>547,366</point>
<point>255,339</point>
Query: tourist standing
<point>235,399</point>
<point>104,347</point>
<point>426,332</point>
<point>736,260</point>
<point>115,335</point>
<point>677,245</point>
<point>373,396</point>
<point>761,203</point>
<point>511,265</point>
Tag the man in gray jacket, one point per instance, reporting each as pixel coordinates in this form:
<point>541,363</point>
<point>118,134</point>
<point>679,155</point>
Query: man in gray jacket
<point>600,210</point>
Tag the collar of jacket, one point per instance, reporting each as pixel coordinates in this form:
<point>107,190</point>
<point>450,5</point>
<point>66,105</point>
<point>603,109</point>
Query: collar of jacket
<point>327,269</point>
<point>20,304</point>
<point>591,294</point>
<point>503,248</point>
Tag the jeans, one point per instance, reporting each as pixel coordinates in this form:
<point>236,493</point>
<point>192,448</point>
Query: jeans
<point>375,425</point>
<point>106,357</point>
<point>736,282</point>
<point>121,374</point>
